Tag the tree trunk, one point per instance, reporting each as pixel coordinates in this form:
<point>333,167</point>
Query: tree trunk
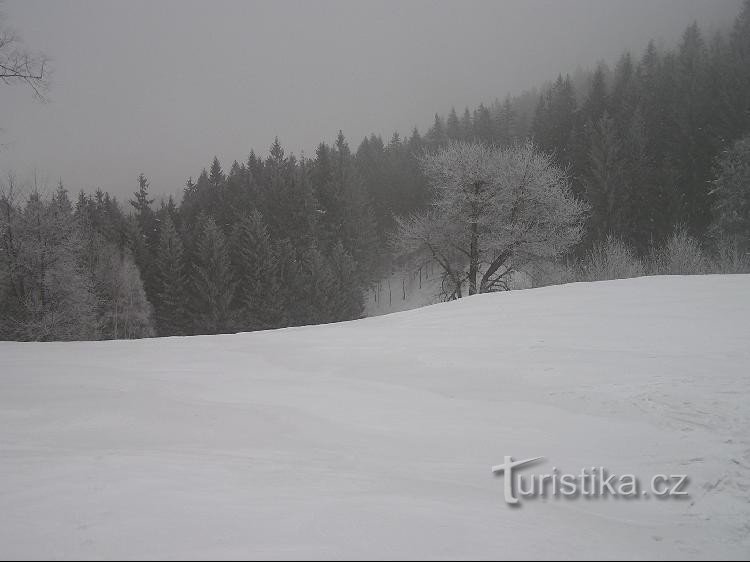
<point>473,260</point>
<point>474,248</point>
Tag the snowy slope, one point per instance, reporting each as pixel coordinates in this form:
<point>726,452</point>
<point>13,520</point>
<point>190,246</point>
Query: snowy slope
<point>375,438</point>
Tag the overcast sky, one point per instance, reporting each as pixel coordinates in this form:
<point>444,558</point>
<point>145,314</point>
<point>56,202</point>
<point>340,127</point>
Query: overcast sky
<point>160,87</point>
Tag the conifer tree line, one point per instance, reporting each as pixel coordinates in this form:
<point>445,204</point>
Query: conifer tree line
<point>642,142</point>
<point>651,146</point>
<point>272,242</point>
<point>67,271</point>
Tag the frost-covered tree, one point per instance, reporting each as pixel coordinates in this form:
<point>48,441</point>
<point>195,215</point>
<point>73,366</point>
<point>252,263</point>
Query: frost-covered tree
<point>45,293</point>
<point>732,195</point>
<point>494,210</point>
<point>611,259</point>
<point>681,255</point>
<point>124,310</point>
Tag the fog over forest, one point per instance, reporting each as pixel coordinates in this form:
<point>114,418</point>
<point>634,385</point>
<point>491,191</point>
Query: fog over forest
<point>162,87</point>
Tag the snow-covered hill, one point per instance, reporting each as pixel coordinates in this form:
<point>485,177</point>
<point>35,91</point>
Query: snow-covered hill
<point>375,438</point>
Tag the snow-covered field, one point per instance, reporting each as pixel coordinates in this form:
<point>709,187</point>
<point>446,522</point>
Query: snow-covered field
<point>375,438</point>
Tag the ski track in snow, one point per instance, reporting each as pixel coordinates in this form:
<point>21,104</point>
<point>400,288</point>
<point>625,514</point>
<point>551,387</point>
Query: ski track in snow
<point>375,438</point>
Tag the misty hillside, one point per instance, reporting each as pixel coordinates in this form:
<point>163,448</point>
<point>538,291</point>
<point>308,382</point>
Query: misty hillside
<point>375,438</point>
<point>651,148</point>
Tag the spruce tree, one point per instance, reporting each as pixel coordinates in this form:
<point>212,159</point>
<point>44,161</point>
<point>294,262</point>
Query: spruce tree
<point>144,233</point>
<point>604,185</point>
<point>171,314</point>
<point>453,126</point>
<point>216,175</point>
<point>483,126</point>
<point>257,292</point>
<point>596,101</point>
<point>436,136</point>
<point>352,212</point>
<point>348,301</point>
<point>318,289</point>
<point>213,282</point>
<point>467,127</point>
<point>561,120</point>
<point>289,286</point>
<point>506,123</point>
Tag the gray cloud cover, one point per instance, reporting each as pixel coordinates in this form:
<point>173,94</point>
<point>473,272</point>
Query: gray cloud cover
<point>160,87</point>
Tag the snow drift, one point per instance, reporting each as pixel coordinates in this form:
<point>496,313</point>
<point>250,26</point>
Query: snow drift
<point>375,438</point>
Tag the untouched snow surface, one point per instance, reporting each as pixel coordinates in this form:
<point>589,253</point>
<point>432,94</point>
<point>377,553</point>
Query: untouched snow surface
<point>375,438</point>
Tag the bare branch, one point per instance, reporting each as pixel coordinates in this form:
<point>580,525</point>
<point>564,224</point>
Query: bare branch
<point>18,65</point>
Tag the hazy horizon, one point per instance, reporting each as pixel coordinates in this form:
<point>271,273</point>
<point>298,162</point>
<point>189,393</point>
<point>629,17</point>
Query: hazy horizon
<point>162,87</point>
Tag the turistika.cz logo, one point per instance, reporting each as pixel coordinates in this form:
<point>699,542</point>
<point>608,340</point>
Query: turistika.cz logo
<point>590,482</point>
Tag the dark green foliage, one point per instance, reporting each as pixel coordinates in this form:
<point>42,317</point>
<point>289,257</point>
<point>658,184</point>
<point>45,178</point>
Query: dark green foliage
<point>605,181</point>
<point>171,312</point>
<point>643,144</point>
<point>482,125</point>
<point>255,266</point>
<point>348,302</point>
<point>145,237</point>
<point>213,282</point>
<point>453,126</point>
<point>437,136</point>
<point>506,123</point>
